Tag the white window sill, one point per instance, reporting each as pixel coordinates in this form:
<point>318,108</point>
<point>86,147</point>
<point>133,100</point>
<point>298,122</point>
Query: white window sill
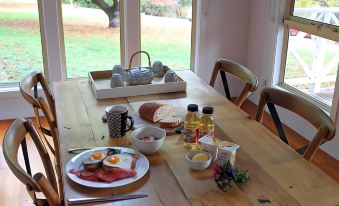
<point>10,92</point>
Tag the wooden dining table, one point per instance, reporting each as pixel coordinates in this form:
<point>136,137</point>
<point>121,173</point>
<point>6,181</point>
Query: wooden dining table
<point>278,174</point>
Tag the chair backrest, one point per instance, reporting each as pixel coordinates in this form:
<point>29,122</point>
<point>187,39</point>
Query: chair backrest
<point>238,70</point>
<point>31,81</point>
<point>38,103</point>
<point>305,109</point>
<point>15,136</point>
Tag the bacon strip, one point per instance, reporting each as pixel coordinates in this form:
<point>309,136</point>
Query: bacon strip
<point>104,176</point>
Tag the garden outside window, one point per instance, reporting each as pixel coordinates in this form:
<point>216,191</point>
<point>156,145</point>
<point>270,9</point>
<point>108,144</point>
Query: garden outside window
<point>311,58</point>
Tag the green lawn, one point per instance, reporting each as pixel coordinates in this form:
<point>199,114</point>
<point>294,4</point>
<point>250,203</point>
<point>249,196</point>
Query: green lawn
<point>20,53</point>
<point>84,51</point>
<point>18,15</point>
<point>293,68</point>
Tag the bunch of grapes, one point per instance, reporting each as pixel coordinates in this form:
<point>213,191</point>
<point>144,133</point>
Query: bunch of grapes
<point>226,176</point>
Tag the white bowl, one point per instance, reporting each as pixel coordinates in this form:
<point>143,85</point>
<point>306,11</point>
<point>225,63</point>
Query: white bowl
<point>150,147</point>
<point>198,165</point>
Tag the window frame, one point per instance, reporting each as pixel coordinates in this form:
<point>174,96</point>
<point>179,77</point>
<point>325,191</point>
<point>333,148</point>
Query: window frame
<point>53,45</point>
<point>10,87</point>
<point>320,29</point>
<point>130,34</point>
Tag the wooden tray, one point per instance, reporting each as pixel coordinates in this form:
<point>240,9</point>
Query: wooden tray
<point>100,83</point>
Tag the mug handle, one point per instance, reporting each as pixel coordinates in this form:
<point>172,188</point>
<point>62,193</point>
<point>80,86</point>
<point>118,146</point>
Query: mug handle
<point>132,123</point>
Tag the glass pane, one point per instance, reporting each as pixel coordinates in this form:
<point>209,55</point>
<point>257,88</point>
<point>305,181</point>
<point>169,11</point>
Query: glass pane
<point>92,38</point>
<point>323,11</point>
<point>312,65</point>
<point>20,43</point>
<point>166,32</point>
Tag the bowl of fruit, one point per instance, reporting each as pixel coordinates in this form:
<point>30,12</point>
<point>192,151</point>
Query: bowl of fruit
<point>148,140</point>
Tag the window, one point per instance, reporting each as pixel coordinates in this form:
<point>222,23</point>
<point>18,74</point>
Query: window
<point>20,42</point>
<point>91,36</point>
<point>312,49</point>
<point>166,31</point>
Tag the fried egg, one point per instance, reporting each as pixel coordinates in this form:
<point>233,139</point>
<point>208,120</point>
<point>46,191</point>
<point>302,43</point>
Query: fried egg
<point>94,160</point>
<point>97,156</point>
<point>123,161</point>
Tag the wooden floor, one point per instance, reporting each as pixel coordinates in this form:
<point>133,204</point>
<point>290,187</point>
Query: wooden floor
<point>13,192</point>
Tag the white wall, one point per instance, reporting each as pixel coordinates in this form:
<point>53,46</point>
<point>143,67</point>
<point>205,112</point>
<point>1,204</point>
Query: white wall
<point>223,34</point>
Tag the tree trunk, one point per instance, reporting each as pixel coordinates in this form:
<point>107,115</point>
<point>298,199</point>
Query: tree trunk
<point>114,20</point>
<point>111,11</point>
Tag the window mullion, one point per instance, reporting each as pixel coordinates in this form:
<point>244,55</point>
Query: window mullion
<point>52,37</point>
<point>335,101</point>
<point>131,31</point>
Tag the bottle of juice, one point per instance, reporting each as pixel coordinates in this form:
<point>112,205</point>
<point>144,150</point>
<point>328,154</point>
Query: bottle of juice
<point>191,125</point>
<point>206,124</point>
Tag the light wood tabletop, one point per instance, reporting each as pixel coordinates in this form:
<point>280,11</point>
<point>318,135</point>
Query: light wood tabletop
<point>278,174</point>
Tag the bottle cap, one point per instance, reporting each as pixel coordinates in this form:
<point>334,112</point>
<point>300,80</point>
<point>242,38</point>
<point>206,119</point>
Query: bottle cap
<point>207,110</point>
<point>192,108</point>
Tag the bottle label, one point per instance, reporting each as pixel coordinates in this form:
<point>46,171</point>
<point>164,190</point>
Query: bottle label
<point>190,136</point>
<point>206,133</point>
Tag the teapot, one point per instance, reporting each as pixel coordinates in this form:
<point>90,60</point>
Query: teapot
<point>139,75</point>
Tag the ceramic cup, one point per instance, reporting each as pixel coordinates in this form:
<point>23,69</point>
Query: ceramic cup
<point>171,76</point>
<point>116,80</point>
<point>157,69</point>
<point>117,69</point>
<point>117,116</point>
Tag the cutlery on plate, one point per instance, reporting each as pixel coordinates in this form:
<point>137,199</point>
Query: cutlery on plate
<point>75,201</point>
<point>79,149</point>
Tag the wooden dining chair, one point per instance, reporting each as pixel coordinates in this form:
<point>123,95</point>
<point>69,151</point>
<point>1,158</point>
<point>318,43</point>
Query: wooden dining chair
<point>305,109</point>
<point>226,66</point>
<point>38,103</point>
<point>31,81</point>
<point>14,137</point>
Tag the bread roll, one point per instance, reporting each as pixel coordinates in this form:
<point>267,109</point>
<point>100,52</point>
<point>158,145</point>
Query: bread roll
<point>155,111</point>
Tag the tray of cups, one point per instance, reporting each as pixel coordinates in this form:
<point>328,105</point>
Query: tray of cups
<point>135,81</point>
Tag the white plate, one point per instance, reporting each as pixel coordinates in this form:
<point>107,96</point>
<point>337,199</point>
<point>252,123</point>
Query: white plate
<point>141,168</point>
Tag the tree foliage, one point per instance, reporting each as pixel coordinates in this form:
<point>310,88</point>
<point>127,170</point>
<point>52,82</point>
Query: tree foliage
<point>317,3</point>
<point>170,8</point>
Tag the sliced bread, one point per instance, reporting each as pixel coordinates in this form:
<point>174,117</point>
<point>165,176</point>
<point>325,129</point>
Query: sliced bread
<point>169,122</point>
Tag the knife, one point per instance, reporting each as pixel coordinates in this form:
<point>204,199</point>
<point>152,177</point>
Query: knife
<point>75,201</point>
<point>76,150</point>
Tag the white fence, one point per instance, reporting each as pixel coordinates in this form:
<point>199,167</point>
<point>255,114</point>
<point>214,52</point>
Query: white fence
<point>318,72</point>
